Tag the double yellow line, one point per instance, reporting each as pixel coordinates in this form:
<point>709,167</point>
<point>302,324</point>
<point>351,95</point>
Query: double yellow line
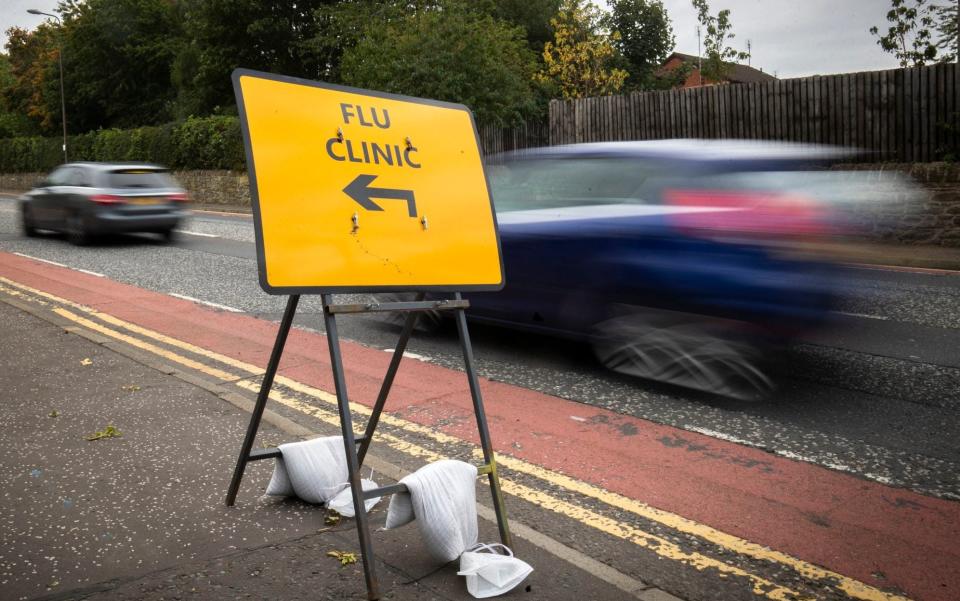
<point>818,577</point>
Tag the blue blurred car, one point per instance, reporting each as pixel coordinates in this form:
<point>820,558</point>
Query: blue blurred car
<point>672,259</point>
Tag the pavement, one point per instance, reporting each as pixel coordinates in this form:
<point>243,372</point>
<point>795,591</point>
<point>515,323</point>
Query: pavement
<point>141,515</point>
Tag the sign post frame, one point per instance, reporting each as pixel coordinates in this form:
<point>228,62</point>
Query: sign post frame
<point>355,455</point>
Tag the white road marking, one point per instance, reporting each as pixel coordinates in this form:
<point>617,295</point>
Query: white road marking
<point>86,271</point>
<point>783,453</point>
<point>208,303</point>
<point>880,317</point>
<point>720,435</point>
<point>840,467</point>
<point>822,461</point>
<point>410,355</point>
<point>192,233</point>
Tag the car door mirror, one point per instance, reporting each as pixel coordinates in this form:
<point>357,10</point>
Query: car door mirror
<point>40,183</point>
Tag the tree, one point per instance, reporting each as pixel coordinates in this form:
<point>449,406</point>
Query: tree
<point>646,38</point>
<point>581,60</point>
<point>532,15</point>
<point>33,91</point>
<point>451,53</point>
<point>717,30</point>
<point>909,36</point>
<point>948,37</point>
<point>342,25</point>
<point>13,122</point>
<point>269,35</point>
<point>117,58</point>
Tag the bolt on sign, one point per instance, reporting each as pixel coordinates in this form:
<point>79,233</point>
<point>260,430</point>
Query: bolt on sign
<point>355,190</point>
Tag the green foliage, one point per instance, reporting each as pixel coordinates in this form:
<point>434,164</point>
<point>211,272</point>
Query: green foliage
<point>269,35</point>
<point>117,57</point>
<point>948,38</point>
<point>453,54</point>
<point>532,15</point>
<point>581,61</point>
<point>646,38</point>
<point>342,25</point>
<point>717,32</point>
<point>197,143</point>
<point>12,122</point>
<point>909,36</point>
<point>32,89</point>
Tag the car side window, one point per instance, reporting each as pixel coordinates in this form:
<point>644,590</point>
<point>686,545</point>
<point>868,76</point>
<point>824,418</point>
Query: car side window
<point>59,176</point>
<point>566,182</point>
<point>77,177</point>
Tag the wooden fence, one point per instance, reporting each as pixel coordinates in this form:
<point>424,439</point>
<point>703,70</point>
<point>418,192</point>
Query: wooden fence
<point>908,115</point>
<point>501,139</point>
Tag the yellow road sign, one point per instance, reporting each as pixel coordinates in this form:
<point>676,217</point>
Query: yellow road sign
<point>355,190</point>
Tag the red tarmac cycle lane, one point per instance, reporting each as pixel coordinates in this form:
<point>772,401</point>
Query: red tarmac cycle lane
<point>858,528</point>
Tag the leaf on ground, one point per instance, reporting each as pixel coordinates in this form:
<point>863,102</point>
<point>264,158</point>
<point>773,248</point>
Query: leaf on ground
<point>332,519</point>
<point>54,413</point>
<point>131,388</point>
<point>108,432</point>
<point>345,557</point>
<point>86,361</point>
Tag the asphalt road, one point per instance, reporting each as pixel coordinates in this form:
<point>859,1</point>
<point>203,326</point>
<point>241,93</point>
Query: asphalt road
<point>875,395</point>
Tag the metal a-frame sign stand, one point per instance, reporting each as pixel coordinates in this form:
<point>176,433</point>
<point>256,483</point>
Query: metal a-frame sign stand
<point>259,95</point>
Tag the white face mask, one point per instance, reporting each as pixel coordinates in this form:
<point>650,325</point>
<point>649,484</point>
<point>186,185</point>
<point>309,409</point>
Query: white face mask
<point>489,573</point>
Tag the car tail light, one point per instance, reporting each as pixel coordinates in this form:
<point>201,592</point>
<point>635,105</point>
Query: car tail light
<point>179,197</point>
<point>748,213</point>
<point>107,199</point>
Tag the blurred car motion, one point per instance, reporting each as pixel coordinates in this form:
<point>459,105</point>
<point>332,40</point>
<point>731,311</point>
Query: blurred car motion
<point>88,199</point>
<point>673,259</point>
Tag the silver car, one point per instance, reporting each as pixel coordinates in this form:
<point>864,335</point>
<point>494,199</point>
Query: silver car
<point>88,199</point>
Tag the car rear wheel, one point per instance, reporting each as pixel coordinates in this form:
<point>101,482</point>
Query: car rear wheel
<point>77,233</point>
<point>168,236</point>
<point>27,223</point>
<point>698,355</point>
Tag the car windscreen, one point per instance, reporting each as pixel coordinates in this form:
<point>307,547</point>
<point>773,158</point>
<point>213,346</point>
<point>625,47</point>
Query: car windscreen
<point>531,184</point>
<point>139,178</point>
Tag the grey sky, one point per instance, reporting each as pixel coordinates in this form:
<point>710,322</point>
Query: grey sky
<point>790,37</point>
<point>795,38</point>
<point>13,13</point>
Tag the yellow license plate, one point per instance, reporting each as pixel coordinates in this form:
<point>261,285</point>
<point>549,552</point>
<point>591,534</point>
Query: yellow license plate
<point>145,201</point>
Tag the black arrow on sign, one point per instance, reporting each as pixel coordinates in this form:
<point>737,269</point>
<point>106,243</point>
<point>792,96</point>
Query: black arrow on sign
<point>360,191</point>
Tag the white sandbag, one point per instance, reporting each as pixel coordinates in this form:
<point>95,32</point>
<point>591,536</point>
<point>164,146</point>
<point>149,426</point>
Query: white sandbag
<point>490,573</point>
<point>399,511</point>
<point>279,485</point>
<point>313,470</point>
<point>443,497</point>
<point>342,502</point>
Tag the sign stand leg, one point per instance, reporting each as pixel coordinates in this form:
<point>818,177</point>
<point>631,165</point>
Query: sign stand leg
<point>409,323</point>
<point>350,450</point>
<point>488,456</point>
<point>262,396</point>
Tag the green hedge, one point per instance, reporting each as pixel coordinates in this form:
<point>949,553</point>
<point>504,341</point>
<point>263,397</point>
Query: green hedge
<point>197,143</point>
